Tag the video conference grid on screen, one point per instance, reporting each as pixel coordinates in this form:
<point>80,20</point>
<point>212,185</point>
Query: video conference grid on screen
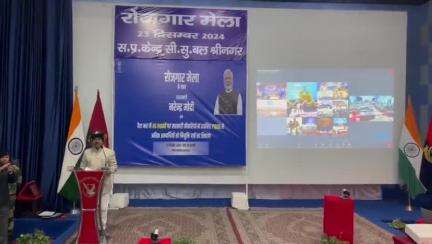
<point>325,108</point>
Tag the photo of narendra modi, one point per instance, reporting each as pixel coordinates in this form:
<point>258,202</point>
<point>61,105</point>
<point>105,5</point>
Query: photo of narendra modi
<point>228,102</point>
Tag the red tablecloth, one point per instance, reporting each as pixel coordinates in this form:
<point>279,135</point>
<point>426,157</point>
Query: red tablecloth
<point>402,240</point>
<point>339,218</point>
<point>147,240</point>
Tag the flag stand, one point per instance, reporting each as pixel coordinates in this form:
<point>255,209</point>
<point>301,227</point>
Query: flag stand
<point>74,210</point>
<point>409,208</point>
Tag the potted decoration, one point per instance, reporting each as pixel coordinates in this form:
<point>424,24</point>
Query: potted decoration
<point>183,241</point>
<point>331,240</point>
<point>397,224</point>
<point>38,237</point>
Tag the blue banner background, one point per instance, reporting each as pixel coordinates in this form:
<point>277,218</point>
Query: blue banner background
<point>142,96</point>
<point>156,50</point>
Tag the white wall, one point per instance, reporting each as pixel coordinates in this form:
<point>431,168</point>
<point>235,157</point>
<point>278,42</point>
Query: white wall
<point>277,38</point>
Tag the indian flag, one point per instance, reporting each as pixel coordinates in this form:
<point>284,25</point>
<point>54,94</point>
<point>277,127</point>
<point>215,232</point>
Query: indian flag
<point>410,154</point>
<point>75,145</point>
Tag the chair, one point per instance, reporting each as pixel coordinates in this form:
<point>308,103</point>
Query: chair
<point>30,194</point>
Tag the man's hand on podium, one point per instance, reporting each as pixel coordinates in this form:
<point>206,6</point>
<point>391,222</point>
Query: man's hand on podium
<point>70,168</point>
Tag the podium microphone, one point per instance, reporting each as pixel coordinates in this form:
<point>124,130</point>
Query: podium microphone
<point>154,236</point>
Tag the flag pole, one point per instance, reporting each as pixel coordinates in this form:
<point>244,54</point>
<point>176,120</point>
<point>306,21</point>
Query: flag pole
<point>409,208</point>
<point>74,210</point>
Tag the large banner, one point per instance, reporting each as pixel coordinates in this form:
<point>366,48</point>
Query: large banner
<point>180,93</point>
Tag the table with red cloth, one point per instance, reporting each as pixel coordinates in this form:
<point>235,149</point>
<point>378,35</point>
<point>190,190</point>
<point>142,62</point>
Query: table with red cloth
<point>406,239</point>
<point>339,218</point>
<point>402,240</point>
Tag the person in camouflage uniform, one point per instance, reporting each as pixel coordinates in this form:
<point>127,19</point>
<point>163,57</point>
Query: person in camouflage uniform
<point>12,198</point>
<point>7,176</point>
<point>12,192</point>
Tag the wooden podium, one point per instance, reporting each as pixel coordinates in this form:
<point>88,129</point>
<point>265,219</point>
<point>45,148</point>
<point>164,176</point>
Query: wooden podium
<point>90,184</point>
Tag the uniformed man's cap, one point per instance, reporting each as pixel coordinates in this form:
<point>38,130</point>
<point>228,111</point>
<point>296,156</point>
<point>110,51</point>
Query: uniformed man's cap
<point>97,134</point>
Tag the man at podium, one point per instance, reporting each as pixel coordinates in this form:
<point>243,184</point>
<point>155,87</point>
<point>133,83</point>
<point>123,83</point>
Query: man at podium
<point>98,157</point>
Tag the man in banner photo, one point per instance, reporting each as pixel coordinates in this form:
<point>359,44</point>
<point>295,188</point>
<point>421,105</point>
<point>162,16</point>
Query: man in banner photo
<point>229,101</point>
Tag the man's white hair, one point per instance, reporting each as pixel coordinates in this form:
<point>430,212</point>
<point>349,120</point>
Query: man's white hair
<point>228,72</point>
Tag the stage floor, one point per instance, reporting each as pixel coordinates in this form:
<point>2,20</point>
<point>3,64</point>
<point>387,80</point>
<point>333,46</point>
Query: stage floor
<point>280,221</point>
